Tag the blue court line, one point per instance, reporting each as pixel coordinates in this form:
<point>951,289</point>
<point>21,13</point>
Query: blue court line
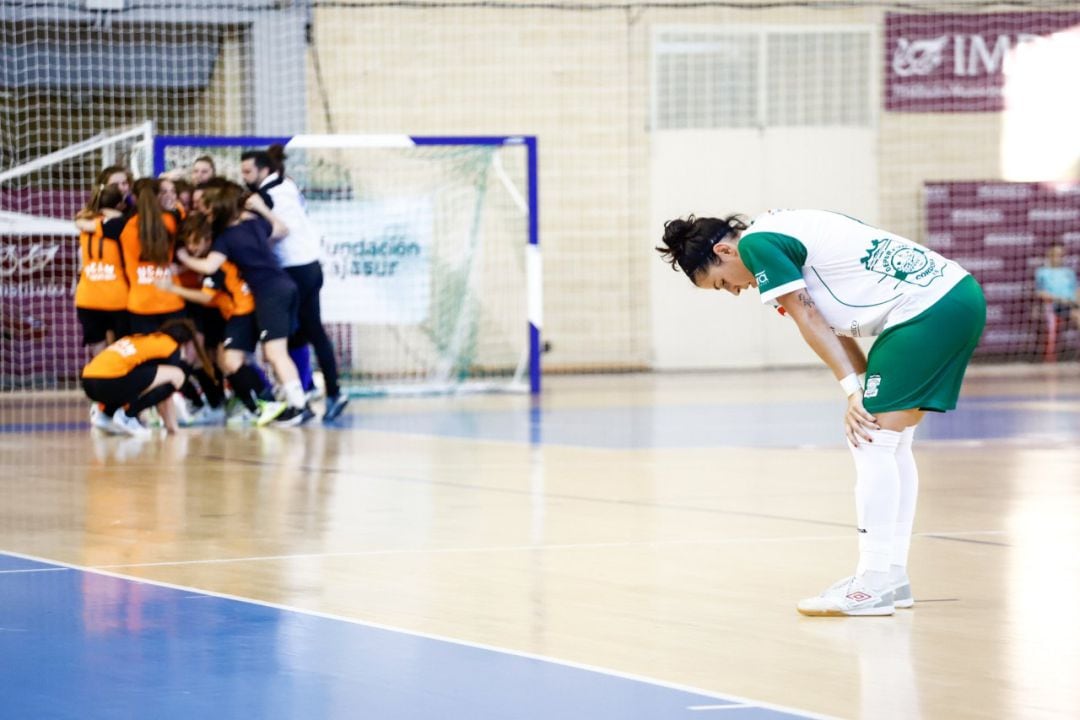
<point>83,643</point>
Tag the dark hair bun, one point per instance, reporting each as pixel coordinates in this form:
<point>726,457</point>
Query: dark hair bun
<point>688,244</point>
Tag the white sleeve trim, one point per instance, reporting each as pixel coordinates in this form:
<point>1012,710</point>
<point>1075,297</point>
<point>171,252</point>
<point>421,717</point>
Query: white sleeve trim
<point>782,290</point>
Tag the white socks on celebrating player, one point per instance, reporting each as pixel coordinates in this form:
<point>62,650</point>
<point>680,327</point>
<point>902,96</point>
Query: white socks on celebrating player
<point>877,502</point>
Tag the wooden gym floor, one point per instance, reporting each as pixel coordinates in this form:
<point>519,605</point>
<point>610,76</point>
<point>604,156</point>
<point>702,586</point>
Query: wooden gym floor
<point>654,530</point>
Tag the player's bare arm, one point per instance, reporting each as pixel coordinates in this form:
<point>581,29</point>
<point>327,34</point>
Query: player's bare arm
<point>834,353</point>
<point>207,265</point>
<point>854,352</point>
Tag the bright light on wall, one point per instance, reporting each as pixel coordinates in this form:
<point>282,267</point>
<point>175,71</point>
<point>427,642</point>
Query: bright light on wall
<point>1041,125</point>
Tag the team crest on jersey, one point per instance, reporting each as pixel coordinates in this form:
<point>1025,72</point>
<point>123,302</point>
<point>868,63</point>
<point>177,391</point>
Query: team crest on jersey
<point>873,382</point>
<point>903,261</point>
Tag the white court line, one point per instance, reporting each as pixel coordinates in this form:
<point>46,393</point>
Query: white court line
<point>429,636</point>
<point>733,706</point>
<point>516,548</point>
<point>959,533</point>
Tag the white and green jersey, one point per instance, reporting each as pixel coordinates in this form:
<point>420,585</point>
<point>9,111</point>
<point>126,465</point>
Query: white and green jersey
<point>862,279</point>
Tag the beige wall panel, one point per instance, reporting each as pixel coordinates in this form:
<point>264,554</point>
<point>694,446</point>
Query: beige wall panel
<point>580,81</point>
<point>564,77</point>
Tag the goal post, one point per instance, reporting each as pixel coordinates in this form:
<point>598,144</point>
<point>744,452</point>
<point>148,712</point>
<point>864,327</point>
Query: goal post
<point>40,339</point>
<point>430,250</point>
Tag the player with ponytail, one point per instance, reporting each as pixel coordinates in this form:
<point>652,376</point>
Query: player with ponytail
<point>148,243</point>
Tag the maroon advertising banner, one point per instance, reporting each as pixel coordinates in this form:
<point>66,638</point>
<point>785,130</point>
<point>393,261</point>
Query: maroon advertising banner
<point>962,63</point>
<point>1000,232</point>
<point>40,338</point>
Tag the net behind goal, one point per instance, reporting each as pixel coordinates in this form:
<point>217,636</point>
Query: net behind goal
<point>429,250</point>
<point>40,340</point>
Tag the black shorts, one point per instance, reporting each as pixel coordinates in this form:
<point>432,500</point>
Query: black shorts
<point>196,313</point>
<point>212,326</point>
<point>275,311</point>
<point>114,392</point>
<point>95,323</point>
<point>240,333</point>
<point>143,324</point>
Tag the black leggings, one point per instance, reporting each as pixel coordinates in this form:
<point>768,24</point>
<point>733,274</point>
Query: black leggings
<point>115,393</point>
<point>309,280</point>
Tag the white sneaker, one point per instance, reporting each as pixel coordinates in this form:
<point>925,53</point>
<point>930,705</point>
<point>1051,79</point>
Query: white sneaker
<point>101,421</point>
<point>269,411</point>
<point>205,415</point>
<point>848,597</point>
<point>128,425</point>
<point>902,597</point>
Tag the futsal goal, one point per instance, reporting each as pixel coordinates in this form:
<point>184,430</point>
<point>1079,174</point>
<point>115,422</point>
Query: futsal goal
<point>432,272</point>
<point>431,265</point>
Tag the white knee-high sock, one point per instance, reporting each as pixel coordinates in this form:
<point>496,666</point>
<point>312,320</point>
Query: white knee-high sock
<point>877,496</point>
<point>909,493</point>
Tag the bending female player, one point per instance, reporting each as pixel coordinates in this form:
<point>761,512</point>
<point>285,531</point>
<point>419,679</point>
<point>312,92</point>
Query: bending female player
<point>140,371</point>
<point>839,279</point>
<point>245,241</point>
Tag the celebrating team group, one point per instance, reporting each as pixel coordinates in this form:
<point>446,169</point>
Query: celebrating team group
<point>182,279</point>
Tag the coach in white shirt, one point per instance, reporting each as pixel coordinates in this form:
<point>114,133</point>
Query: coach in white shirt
<point>298,252</point>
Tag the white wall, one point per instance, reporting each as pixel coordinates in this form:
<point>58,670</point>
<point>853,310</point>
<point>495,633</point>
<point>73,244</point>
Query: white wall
<point>718,172</point>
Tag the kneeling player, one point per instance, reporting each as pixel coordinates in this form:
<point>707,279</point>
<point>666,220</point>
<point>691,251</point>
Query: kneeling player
<point>141,371</point>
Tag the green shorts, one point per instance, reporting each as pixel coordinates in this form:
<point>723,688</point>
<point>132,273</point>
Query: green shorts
<point>920,363</point>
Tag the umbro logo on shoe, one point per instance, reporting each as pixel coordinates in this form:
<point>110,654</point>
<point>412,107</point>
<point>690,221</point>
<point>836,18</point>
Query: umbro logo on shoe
<point>859,596</point>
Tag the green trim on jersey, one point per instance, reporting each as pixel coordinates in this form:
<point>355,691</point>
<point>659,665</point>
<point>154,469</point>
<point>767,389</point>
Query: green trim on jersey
<point>920,363</point>
<point>826,286</point>
<point>774,258</point>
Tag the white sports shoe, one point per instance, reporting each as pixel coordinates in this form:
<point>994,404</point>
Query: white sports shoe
<point>101,421</point>
<point>205,415</point>
<point>902,597</point>
<point>128,425</point>
<point>849,597</point>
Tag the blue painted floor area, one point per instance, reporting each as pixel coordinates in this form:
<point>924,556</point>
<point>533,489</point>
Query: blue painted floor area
<point>82,644</point>
<point>727,425</point>
<point>24,427</point>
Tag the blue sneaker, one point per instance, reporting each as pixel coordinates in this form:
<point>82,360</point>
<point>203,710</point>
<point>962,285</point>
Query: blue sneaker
<point>335,405</point>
